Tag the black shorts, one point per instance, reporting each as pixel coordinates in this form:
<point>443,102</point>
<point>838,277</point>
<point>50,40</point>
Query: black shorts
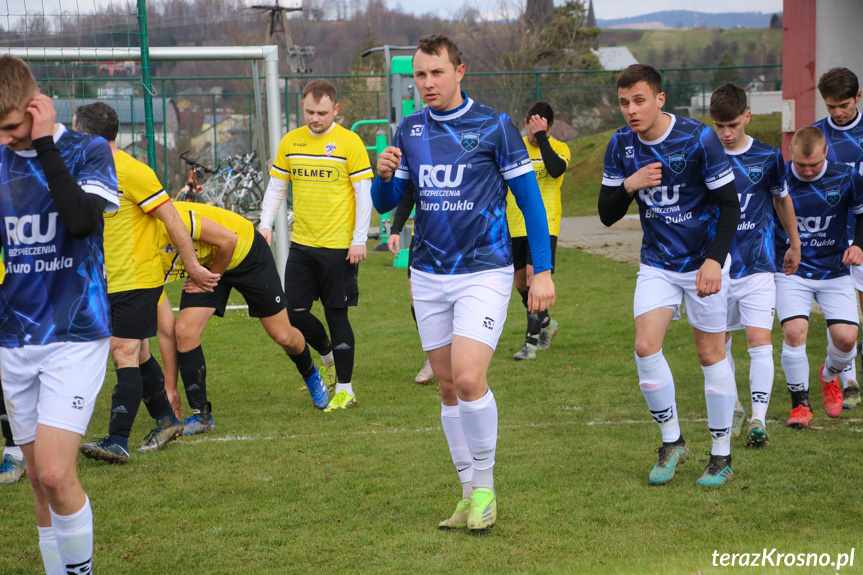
<point>133,312</point>
<point>257,278</point>
<point>320,273</point>
<point>521,252</point>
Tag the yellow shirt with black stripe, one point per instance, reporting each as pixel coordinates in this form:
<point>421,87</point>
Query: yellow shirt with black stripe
<point>322,170</point>
<point>131,234</point>
<point>191,214</point>
<point>549,188</point>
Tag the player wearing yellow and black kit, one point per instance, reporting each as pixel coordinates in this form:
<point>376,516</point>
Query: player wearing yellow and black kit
<point>550,158</point>
<point>329,170</point>
<point>228,244</point>
<point>134,285</point>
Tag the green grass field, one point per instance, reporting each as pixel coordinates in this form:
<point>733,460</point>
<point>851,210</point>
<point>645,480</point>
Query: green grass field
<point>280,487</point>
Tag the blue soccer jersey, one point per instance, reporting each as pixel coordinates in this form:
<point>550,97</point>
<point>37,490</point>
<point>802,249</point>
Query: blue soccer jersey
<point>822,206</point>
<point>759,174</point>
<point>459,162</point>
<point>678,216</point>
<point>55,288</point>
<point>845,145</point>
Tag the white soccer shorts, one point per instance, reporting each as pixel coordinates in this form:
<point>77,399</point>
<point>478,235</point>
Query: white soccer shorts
<point>752,301</point>
<point>836,297</point>
<point>656,288</point>
<point>470,305</point>
<point>55,384</point>
<point>857,277</point>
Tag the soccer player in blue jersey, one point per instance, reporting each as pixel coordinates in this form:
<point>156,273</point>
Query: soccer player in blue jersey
<point>676,170</point>
<point>843,128</point>
<point>824,193</point>
<point>54,320</point>
<point>759,175</point>
<point>460,157</point>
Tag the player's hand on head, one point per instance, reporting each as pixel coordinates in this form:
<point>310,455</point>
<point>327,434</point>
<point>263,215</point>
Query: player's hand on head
<point>268,235</point>
<point>393,243</point>
<point>388,162</point>
<point>537,123</point>
<point>853,256</point>
<point>646,177</point>
<point>708,280</point>
<point>41,109</point>
<point>791,260</point>
<point>356,253</point>
<point>541,295</point>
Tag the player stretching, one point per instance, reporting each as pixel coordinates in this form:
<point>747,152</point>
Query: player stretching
<point>54,324</point>
<point>228,244</point>
<point>759,175</point>
<point>824,194</point>
<point>677,171</point>
<point>843,129</point>
<point>550,158</point>
<point>460,157</point>
<point>134,285</point>
<point>330,173</point>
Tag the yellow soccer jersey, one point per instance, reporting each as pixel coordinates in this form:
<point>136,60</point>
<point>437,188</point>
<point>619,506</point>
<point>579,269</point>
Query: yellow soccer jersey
<point>191,214</point>
<point>322,170</point>
<point>548,186</point>
<point>131,234</point>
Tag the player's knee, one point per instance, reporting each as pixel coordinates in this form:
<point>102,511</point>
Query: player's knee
<point>54,480</point>
<point>186,335</point>
<point>645,348</point>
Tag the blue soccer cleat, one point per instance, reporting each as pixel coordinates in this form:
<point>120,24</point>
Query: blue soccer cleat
<point>317,389</point>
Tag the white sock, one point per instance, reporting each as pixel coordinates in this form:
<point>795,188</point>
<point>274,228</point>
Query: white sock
<point>728,355</point>
<point>719,395</point>
<point>837,361</point>
<point>795,364</point>
<point>479,425</point>
<point>74,535</point>
<point>657,385</point>
<point>15,452</point>
<point>761,373</point>
<point>347,387</point>
<point>328,360</point>
<point>50,553</point>
<point>451,421</point>
<point>849,374</point>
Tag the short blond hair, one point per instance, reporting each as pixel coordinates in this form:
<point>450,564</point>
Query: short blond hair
<point>808,140</point>
<point>17,85</point>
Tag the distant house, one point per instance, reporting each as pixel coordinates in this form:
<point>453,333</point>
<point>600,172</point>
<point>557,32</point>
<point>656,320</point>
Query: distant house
<point>760,102</point>
<point>614,58</point>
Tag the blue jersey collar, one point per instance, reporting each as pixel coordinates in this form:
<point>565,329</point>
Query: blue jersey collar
<point>455,113</point>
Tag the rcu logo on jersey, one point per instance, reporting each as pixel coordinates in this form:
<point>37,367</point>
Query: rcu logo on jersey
<point>27,230</point>
<point>660,196</point>
<point>813,224</point>
<point>440,176</point>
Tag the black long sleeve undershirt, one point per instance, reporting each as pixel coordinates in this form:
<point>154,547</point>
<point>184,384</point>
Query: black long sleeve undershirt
<point>403,210</point>
<point>858,230</point>
<point>729,217</point>
<point>80,211</point>
<point>554,164</point>
<point>613,203</point>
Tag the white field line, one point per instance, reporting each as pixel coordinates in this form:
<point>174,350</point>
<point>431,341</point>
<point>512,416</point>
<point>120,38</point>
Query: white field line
<point>226,307</point>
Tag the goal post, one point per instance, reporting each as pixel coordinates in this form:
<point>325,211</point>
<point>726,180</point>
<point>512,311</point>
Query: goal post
<point>270,56</point>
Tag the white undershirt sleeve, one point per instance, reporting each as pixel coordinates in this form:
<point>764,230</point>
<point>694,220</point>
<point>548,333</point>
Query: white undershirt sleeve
<point>363,194</point>
<point>276,191</point>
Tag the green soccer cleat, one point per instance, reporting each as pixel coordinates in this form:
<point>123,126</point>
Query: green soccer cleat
<point>328,375</point>
<point>528,351</point>
<point>547,334</point>
<point>670,456</point>
<point>718,471</point>
<point>341,401</point>
<point>757,436</point>
<point>458,519</point>
<point>851,395</point>
<point>738,420</point>
<point>12,470</point>
<point>483,510</point>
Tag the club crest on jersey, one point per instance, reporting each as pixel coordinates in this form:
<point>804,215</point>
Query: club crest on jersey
<point>755,174</point>
<point>417,130</point>
<point>860,142</point>
<point>330,148</point>
<point>832,197</point>
<point>677,162</point>
<point>629,151</point>
<point>469,141</point>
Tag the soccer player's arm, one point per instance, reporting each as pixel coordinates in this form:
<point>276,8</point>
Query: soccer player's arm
<point>393,176</point>
<point>555,165</point>
<point>784,207</point>
<point>854,255</point>
<point>614,199</point>
<point>401,215</point>
<point>225,242</point>
<point>277,189</point>
<point>360,171</point>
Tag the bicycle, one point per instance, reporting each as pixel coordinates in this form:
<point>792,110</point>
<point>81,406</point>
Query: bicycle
<point>193,190</point>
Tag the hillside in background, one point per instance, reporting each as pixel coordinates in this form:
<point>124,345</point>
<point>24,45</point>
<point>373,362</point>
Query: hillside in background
<point>690,19</point>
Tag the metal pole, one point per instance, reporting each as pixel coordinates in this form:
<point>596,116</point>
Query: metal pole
<point>215,137</point>
<point>274,122</point>
<point>148,85</point>
<point>165,134</point>
<point>259,122</point>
